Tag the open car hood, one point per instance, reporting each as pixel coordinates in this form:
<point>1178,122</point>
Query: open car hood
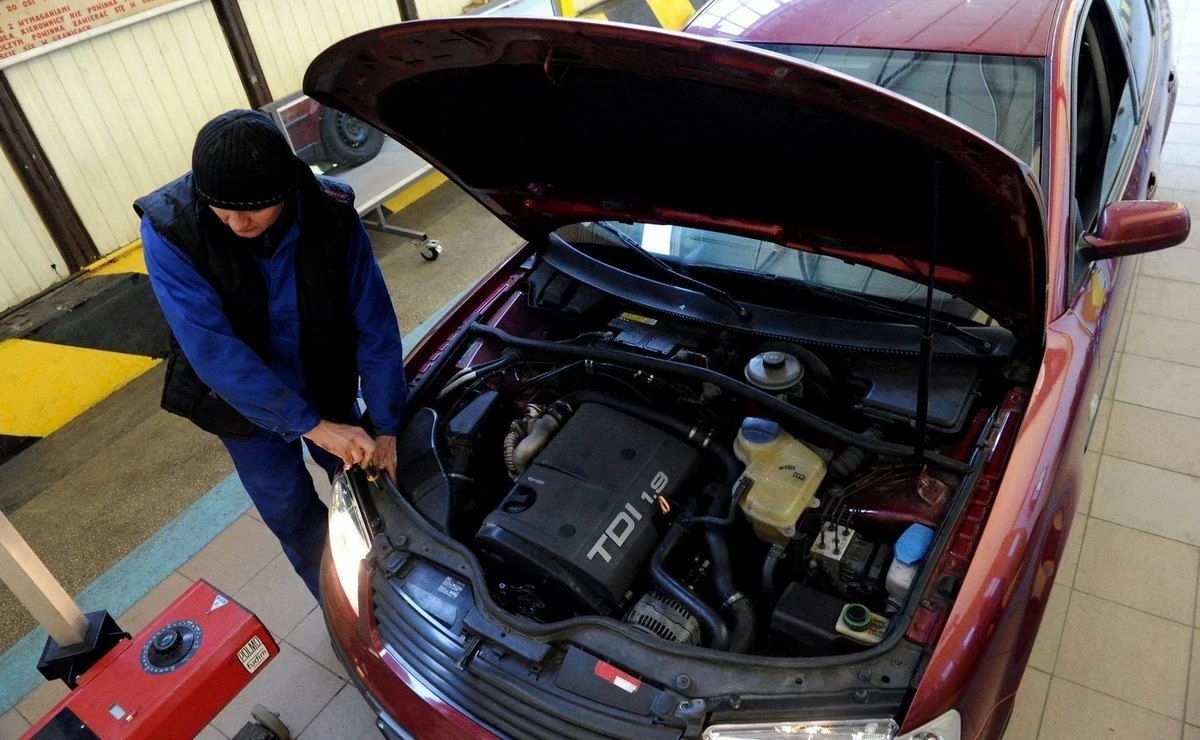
<point>549,122</point>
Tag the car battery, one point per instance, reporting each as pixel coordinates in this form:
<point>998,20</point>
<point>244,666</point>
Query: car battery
<point>654,336</point>
<point>171,679</point>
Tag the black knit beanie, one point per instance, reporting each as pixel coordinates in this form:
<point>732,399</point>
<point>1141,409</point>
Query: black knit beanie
<point>242,162</point>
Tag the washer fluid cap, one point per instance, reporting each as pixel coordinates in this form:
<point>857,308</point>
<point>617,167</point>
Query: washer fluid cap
<point>759,431</point>
<point>913,544</point>
<point>774,371</point>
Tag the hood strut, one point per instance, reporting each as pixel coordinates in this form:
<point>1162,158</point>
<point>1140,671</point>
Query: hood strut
<point>925,362</point>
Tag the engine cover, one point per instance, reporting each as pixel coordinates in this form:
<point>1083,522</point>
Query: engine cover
<point>579,522</point>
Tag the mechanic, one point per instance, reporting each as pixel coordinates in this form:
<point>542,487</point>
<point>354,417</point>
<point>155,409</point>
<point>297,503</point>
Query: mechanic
<point>277,306</point>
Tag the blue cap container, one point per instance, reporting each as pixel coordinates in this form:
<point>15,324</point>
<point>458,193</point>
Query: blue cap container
<point>914,544</point>
<point>758,430</point>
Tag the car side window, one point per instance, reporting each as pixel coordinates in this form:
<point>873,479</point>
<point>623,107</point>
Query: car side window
<point>1137,29</point>
<point>1105,121</point>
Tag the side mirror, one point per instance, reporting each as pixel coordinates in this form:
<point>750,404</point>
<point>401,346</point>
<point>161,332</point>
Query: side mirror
<point>1136,226</point>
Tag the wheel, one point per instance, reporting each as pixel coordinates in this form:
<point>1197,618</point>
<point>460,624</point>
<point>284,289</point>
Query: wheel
<point>270,722</point>
<point>348,141</point>
<point>430,250</point>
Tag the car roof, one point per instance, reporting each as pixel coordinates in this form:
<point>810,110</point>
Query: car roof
<point>1004,27</point>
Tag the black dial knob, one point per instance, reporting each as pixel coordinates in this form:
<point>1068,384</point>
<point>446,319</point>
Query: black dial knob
<point>171,646</point>
<point>165,641</point>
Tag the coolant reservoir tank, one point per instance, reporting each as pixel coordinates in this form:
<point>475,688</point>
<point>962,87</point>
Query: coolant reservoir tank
<point>785,474</point>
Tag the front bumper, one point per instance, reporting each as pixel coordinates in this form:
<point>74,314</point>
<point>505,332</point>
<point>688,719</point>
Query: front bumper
<point>405,701</point>
<point>405,708</point>
<point>389,727</point>
<point>433,686</point>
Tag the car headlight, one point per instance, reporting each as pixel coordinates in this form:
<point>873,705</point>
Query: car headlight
<point>866,729</point>
<point>946,727</point>
<point>348,542</point>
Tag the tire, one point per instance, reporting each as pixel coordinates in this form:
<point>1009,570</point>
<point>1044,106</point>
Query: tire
<point>348,141</point>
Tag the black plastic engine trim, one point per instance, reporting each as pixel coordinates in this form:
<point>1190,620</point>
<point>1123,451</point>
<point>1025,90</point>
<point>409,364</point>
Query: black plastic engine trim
<point>495,691</point>
<point>551,528</point>
<point>877,337</point>
<point>784,409</point>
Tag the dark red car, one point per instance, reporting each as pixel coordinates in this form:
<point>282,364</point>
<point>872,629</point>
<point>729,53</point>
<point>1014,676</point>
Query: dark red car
<point>774,427</point>
<point>324,136</point>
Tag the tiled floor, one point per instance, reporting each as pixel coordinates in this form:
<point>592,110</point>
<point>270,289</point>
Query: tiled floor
<point>305,684</point>
<point>1115,653</point>
<point>1118,654</point>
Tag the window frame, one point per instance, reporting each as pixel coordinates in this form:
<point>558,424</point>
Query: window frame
<point>1142,88</point>
<point>1039,165</point>
<point>1077,278</point>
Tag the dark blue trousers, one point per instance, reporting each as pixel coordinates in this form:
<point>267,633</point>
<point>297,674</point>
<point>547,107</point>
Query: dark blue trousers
<point>279,484</point>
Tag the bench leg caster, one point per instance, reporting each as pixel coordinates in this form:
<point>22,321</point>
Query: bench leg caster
<point>376,220</point>
<point>430,249</point>
<point>270,722</point>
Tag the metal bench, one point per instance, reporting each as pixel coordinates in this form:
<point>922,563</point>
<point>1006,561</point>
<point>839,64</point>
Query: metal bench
<point>376,180</point>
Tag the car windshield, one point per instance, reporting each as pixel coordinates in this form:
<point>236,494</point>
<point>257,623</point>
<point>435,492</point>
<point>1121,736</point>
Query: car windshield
<point>685,247</point>
<point>997,96</point>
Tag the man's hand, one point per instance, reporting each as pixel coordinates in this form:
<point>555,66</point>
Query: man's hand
<point>350,443</point>
<point>385,455</point>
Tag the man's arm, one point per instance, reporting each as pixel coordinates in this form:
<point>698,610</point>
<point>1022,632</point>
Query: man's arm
<point>225,363</point>
<point>380,354</point>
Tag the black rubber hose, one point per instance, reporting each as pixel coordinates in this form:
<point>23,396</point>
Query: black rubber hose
<point>741,634</point>
<point>718,633</point>
<point>796,415</point>
<point>770,581</point>
<point>741,637</point>
<point>650,415</point>
<point>847,463</point>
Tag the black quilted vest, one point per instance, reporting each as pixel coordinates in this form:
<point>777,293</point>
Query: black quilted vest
<point>328,221</point>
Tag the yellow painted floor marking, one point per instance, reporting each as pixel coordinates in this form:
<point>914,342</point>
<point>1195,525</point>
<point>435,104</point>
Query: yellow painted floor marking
<point>133,261</point>
<point>43,385</point>
<point>672,14</point>
<point>415,192</point>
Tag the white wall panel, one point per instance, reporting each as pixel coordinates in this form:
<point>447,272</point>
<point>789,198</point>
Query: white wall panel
<point>117,114</point>
<point>29,261</point>
<point>288,34</point>
<point>440,8</point>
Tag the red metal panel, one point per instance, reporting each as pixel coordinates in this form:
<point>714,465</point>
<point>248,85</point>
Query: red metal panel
<point>119,699</point>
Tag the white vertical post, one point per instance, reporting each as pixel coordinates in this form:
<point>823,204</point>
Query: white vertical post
<point>27,577</point>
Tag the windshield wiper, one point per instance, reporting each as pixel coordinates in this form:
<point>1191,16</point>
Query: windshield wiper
<point>700,287</point>
<point>939,326</point>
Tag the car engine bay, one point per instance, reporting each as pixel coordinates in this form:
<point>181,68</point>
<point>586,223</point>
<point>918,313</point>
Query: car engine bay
<point>706,487</point>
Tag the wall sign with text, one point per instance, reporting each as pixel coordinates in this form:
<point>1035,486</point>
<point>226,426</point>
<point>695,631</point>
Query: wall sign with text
<point>28,24</point>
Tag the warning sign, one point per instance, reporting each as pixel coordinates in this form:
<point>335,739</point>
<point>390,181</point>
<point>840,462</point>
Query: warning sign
<point>28,24</point>
<point>617,677</point>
